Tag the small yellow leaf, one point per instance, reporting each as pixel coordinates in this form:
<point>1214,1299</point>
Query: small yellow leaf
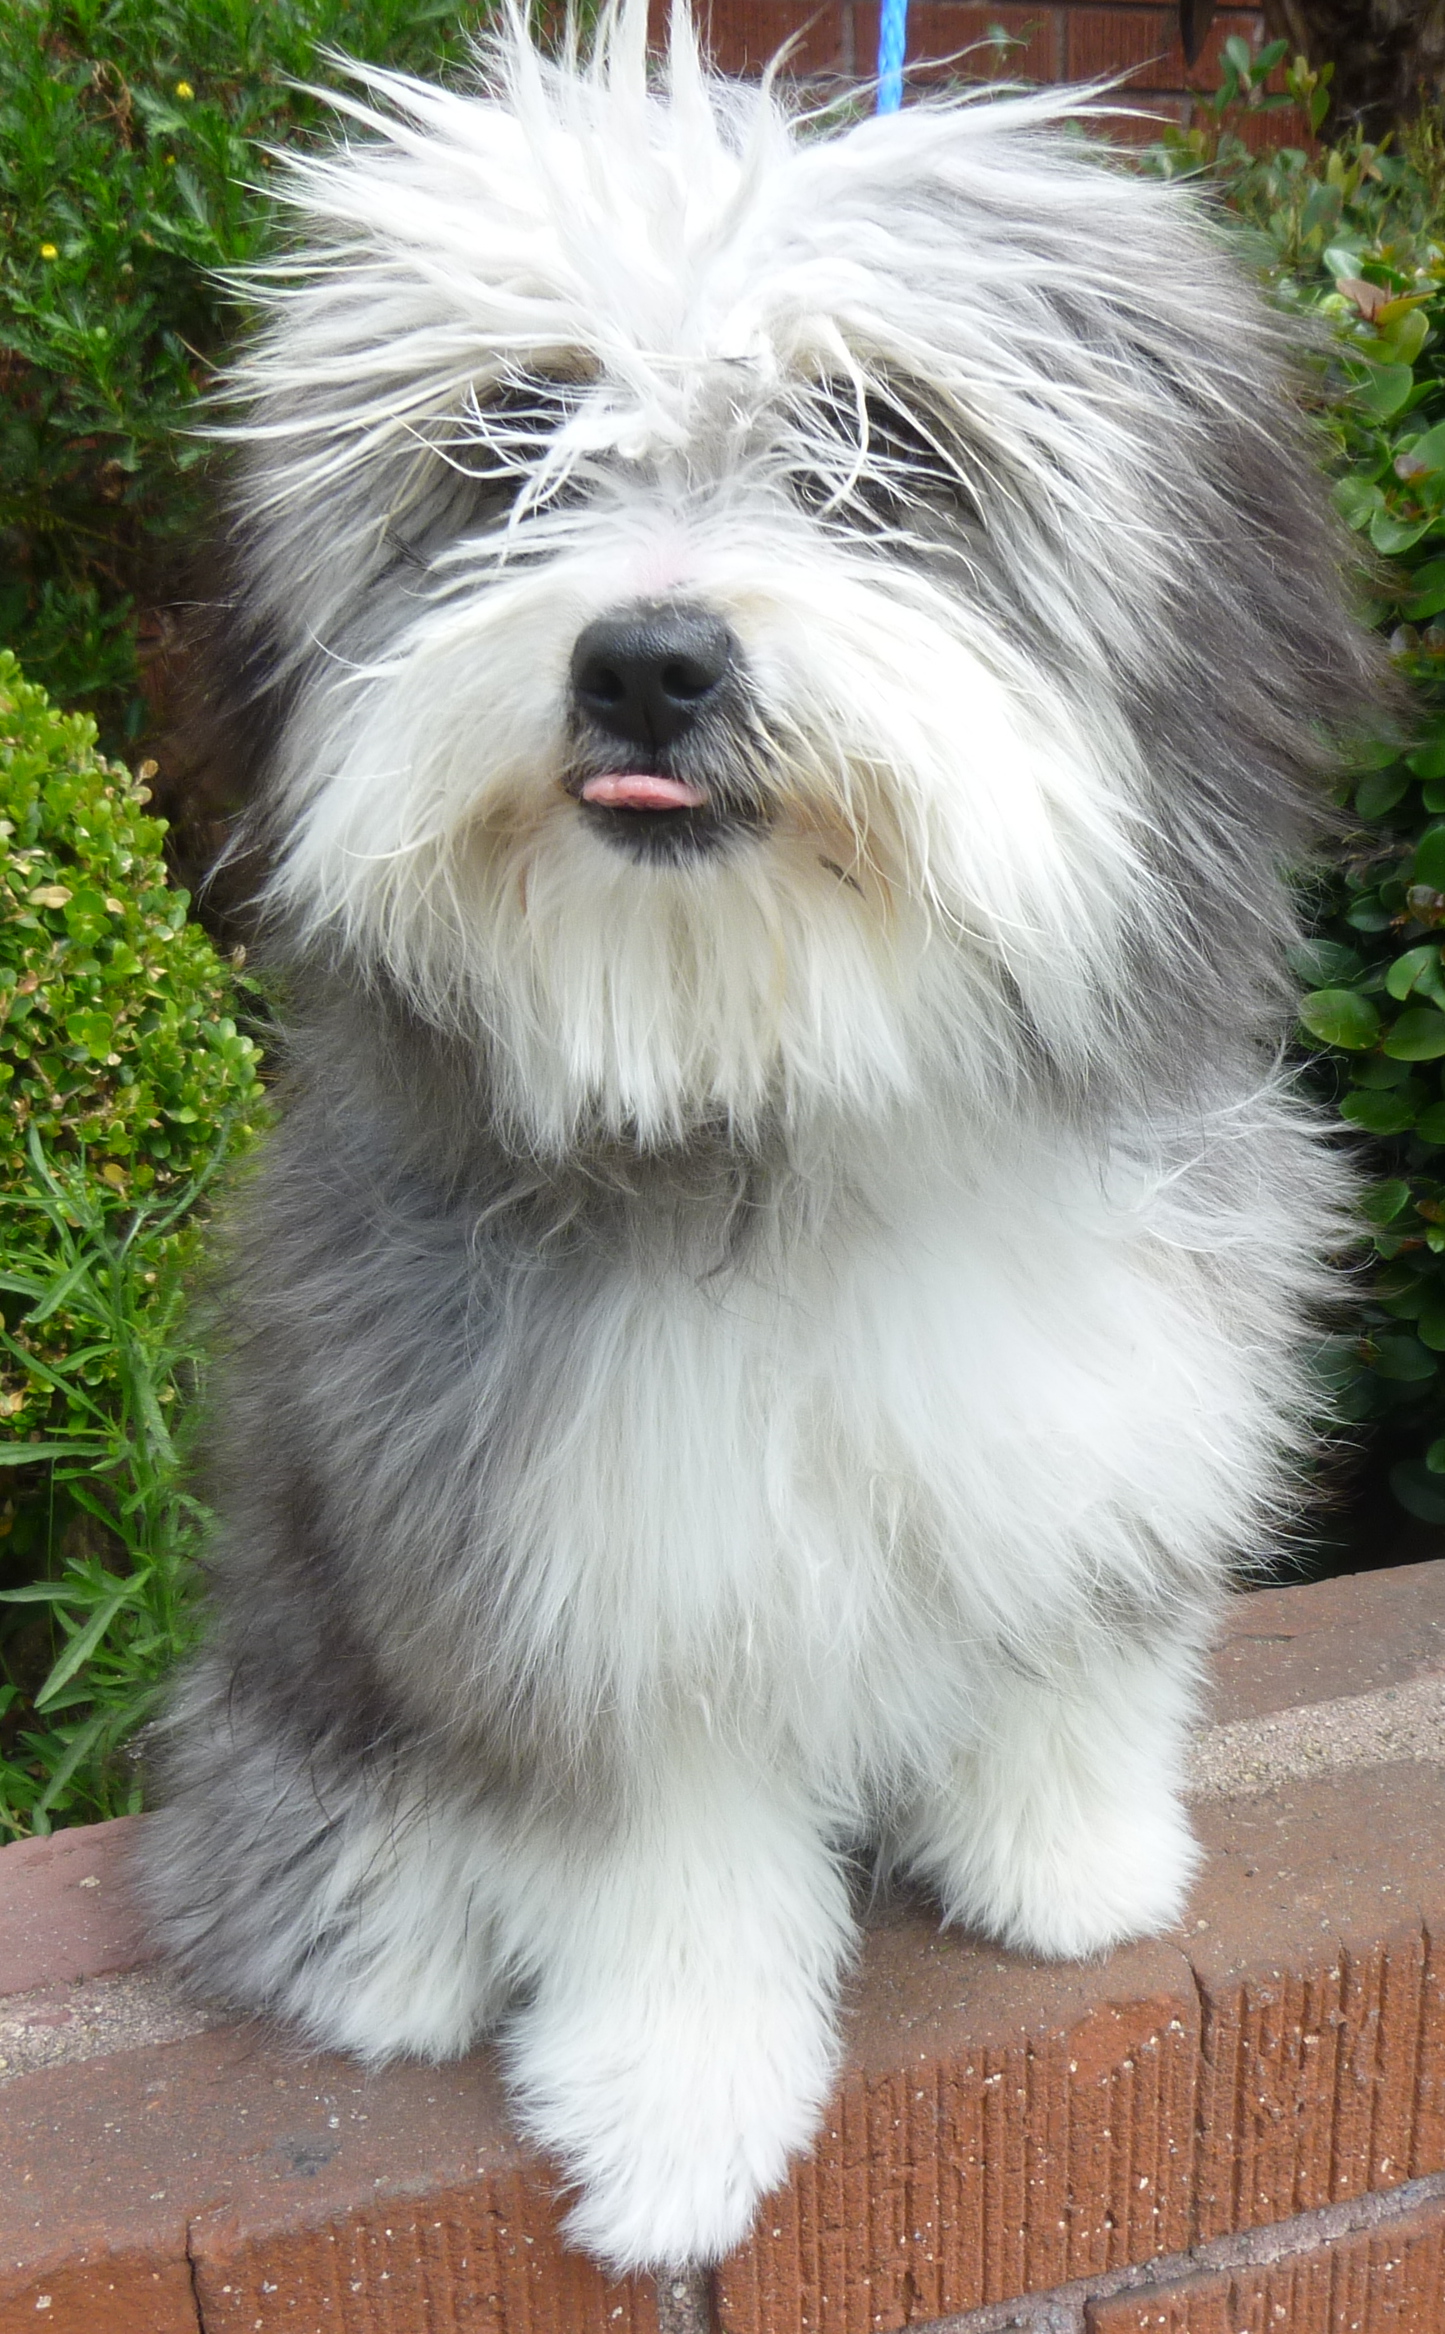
<point>1400,305</point>
<point>49,895</point>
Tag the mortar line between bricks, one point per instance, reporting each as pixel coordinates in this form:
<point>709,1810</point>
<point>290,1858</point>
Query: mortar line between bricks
<point>1061,2311</point>
<point>195,2282</point>
<point>1353,1983</point>
<point>1422,2020</point>
<point>1380,2066</point>
<point>686,2301</point>
<point>1204,2068</point>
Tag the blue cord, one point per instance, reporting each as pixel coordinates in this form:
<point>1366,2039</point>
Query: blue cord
<point>892,40</point>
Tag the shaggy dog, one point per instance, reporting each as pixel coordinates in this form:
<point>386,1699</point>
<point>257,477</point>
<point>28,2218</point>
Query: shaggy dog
<point>792,663</point>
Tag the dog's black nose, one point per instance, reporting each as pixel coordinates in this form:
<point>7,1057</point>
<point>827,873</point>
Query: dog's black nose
<point>647,674</point>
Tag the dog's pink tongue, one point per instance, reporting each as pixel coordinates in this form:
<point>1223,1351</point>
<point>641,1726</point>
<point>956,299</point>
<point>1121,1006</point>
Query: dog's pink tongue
<point>617,791</point>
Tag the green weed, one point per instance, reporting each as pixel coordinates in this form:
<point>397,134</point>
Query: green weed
<point>113,1611</point>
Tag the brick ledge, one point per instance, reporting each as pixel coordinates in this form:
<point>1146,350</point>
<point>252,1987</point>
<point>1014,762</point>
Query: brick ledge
<point>1077,2308</point>
<point>1009,2140</point>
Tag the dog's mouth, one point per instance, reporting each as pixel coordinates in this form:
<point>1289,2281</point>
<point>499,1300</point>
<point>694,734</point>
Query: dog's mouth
<point>642,790</point>
<point>657,816</point>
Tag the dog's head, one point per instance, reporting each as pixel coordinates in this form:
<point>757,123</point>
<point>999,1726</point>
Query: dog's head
<point>769,620</point>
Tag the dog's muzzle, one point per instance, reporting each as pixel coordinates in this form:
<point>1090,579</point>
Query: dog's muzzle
<point>653,688</point>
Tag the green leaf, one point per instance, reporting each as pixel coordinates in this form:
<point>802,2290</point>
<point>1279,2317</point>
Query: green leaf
<point>1356,501</point>
<point>1419,1492</point>
<point>1418,1036</point>
<point>1428,865</point>
<point>83,1644</point>
<point>1392,536</point>
<point>1427,592</point>
<point>81,1743</point>
<point>1344,1018</point>
<point>31,1454</point>
<point>1408,969</point>
<point>1323,964</point>
<point>1372,1070</point>
<point>1430,1327</point>
<point>1435,1457</point>
<point>1336,1359</point>
<point>1379,791</point>
<point>1407,335</point>
<point>1383,1201</point>
<point>1429,452</point>
<point>1428,761</point>
<point>1368,915</point>
<point>1384,390</point>
<point>1379,1114</point>
<point>1430,1125</point>
<point>1374,753</point>
<point>1402,1359</point>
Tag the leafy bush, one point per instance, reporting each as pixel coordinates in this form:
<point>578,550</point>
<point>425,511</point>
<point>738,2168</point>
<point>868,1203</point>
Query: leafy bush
<point>1355,237</point>
<point>126,1083</point>
<point>133,162</point>
<point>90,1641</point>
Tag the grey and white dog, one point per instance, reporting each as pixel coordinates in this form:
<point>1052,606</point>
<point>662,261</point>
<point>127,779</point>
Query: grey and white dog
<point>795,663</point>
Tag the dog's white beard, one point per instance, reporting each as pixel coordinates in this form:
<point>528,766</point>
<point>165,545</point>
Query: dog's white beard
<point>651,1000</point>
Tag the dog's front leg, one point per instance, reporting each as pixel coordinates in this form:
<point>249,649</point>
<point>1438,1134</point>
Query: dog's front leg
<point>1059,1827</point>
<point>680,2040</point>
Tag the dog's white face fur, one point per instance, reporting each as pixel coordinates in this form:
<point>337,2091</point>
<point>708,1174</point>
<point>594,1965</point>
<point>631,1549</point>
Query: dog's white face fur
<point>792,665</point>
<point>907,411</point>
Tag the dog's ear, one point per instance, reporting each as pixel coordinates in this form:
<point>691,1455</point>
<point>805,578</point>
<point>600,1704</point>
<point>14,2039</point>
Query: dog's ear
<point>1155,533</point>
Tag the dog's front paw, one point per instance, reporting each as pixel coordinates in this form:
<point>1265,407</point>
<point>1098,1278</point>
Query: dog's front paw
<point>1068,1881</point>
<point>673,2120</point>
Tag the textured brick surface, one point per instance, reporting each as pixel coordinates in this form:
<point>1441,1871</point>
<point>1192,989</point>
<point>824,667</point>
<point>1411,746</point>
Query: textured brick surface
<point>1382,2281</point>
<point>1063,40</point>
<point>1001,2127</point>
<point>956,33</point>
<point>1355,1635</point>
<point>1144,44</point>
<point>316,2197</point>
<point>64,1908</point>
<point>467,2260</point>
<point>1090,2135</point>
<point>745,35</point>
<point>104,2290</point>
<point>1323,2041</point>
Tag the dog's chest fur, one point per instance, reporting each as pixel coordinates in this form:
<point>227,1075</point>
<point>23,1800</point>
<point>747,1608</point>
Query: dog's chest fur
<point>791,1446</point>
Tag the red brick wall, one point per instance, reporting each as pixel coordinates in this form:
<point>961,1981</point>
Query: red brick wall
<point>1063,40</point>
<point>1238,2128</point>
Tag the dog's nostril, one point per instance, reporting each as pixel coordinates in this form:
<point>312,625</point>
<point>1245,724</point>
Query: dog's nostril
<point>645,675</point>
<point>688,677</point>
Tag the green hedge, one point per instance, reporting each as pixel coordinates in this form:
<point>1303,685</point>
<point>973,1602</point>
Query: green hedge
<point>126,1083</point>
<point>133,164</point>
<point>1355,238</point>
